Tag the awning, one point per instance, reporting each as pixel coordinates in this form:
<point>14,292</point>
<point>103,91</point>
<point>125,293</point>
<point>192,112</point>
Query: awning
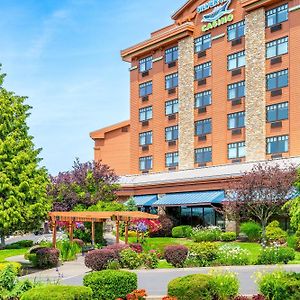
<point>191,198</point>
<point>146,200</point>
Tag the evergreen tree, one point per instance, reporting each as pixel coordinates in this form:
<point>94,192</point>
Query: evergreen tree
<point>23,198</point>
<point>131,204</point>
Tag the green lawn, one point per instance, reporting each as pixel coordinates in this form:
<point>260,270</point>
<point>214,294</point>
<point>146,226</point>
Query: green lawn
<point>11,252</point>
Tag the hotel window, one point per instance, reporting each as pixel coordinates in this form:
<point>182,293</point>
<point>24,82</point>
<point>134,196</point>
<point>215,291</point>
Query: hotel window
<point>203,155</point>
<point>203,127</point>
<point>277,144</point>
<point>203,99</point>
<point>236,31</point>
<point>145,64</point>
<point>145,113</point>
<point>146,163</point>
<point>171,133</point>
<point>171,107</point>
<point>278,112</point>
<point>202,71</point>
<point>171,159</point>
<point>277,47</point>
<point>236,120</point>
<point>171,81</point>
<point>277,15</point>
<point>145,89</point>
<point>146,138</point>
<point>171,55</point>
<point>236,60</point>
<point>236,90</point>
<point>236,150</point>
<point>277,80</point>
<point>202,43</point>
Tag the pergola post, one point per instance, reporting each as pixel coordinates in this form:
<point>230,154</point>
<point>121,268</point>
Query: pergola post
<point>117,231</point>
<point>93,233</point>
<point>54,233</point>
<point>126,232</point>
<point>71,230</point>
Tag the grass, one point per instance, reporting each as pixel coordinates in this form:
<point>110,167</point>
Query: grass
<point>11,252</point>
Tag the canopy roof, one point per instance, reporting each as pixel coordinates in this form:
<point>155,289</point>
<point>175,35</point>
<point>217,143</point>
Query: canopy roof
<point>87,216</point>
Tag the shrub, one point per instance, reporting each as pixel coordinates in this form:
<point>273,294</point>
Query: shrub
<point>150,259</point>
<point>20,244</point>
<point>206,234</point>
<point>53,292</point>
<point>254,297</point>
<point>228,236</point>
<point>117,248</point>
<point>280,285</point>
<point>275,255</point>
<point>97,260</point>
<point>233,256</point>
<point>79,242</point>
<point>130,259</point>
<point>252,230</point>
<point>47,258</point>
<point>113,265</point>
<point>111,284</point>
<point>191,287</point>
<point>7,278</point>
<point>166,227</point>
<point>224,285</point>
<point>176,255</point>
<point>17,267</point>
<point>182,231</point>
<point>204,252</point>
<point>137,295</point>
<point>275,234</point>
<point>136,247</point>
<point>68,250</point>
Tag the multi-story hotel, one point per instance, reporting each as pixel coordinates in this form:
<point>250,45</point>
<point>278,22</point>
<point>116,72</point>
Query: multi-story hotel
<point>210,95</point>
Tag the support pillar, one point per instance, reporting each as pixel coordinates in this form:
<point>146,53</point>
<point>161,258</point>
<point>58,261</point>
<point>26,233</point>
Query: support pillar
<point>71,230</point>
<point>93,233</point>
<point>54,233</point>
<point>126,232</point>
<point>117,232</point>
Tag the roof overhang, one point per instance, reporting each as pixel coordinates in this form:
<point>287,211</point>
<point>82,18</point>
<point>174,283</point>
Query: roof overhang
<point>250,5</point>
<point>100,134</point>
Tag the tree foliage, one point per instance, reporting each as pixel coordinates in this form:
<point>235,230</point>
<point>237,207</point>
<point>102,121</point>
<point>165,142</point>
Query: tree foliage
<point>131,204</point>
<point>23,197</point>
<point>261,192</point>
<point>86,184</point>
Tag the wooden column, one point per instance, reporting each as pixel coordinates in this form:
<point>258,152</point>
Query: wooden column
<point>53,233</point>
<point>126,232</point>
<point>71,230</point>
<point>93,233</point>
<point>117,232</point>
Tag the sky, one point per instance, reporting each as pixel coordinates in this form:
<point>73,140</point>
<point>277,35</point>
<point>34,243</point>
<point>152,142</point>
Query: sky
<point>65,56</point>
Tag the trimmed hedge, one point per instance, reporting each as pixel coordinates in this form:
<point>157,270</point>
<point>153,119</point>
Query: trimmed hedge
<point>111,284</point>
<point>228,236</point>
<point>176,255</point>
<point>20,244</point>
<point>98,260</point>
<point>54,292</point>
<point>182,231</point>
<point>17,267</point>
<point>47,258</point>
<point>191,287</point>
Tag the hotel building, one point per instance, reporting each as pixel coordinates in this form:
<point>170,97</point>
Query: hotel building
<point>210,95</point>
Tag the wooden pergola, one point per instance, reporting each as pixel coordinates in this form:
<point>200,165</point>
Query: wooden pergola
<point>96,217</point>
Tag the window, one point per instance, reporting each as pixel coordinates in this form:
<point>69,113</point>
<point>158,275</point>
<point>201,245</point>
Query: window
<point>236,60</point>
<point>236,120</point>
<point>145,88</point>
<point>278,144</point>
<point>236,90</point>
<point>171,107</point>
<point>277,47</point>
<point>202,43</point>
<point>203,99</point>
<point>146,138</point>
<point>277,15</point>
<point>145,64</point>
<point>171,81</point>
<point>203,155</point>
<point>277,80</point>
<point>171,55</point>
<point>236,31</point>
<point>202,71</point>
<point>171,133</point>
<point>146,163</point>
<point>278,112</point>
<point>172,159</point>
<point>203,127</point>
<point>145,113</point>
<point>236,150</point>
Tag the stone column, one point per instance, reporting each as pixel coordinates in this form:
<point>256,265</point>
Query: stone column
<point>186,103</point>
<point>255,86</point>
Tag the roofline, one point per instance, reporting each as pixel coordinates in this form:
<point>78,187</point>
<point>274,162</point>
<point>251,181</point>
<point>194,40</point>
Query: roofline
<point>179,11</point>
<point>100,133</point>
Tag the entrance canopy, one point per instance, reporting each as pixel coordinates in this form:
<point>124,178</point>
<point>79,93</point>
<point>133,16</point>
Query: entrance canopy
<point>146,200</point>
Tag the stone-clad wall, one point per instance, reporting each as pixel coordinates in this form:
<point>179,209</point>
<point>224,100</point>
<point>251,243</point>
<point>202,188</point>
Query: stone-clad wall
<point>186,103</point>
<point>255,86</point>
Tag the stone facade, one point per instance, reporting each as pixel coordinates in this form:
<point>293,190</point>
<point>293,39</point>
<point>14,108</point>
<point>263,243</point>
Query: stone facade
<point>186,103</point>
<point>255,103</point>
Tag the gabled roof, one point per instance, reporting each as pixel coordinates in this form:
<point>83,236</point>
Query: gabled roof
<point>100,133</point>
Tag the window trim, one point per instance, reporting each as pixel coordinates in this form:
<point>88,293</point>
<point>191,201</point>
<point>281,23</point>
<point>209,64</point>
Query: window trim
<point>237,116</point>
<point>237,149</point>
<point>171,77</point>
<point>146,110</point>
<point>235,26</point>
<point>203,123</point>
<point>268,108</point>
<point>201,39</point>
<point>171,50</point>
<point>276,9</point>
<point>201,96</point>
<point>172,129</point>
<point>145,158</point>
<point>235,85</point>
<point>150,133</point>
<point>202,151</point>
<point>268,45</point>
<point>174,156</point>
<point>145,61</point>
<point>201,67</point>
<point>268,76</point>
<point>171,101</point>
<point>277,141</point>
<point>146,84</point>
<point>236,57</point>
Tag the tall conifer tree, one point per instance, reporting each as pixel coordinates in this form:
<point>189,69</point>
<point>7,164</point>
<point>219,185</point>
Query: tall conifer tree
<point>23,183</point>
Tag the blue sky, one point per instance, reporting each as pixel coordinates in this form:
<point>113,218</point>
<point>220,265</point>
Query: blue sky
<point>65,56</point>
